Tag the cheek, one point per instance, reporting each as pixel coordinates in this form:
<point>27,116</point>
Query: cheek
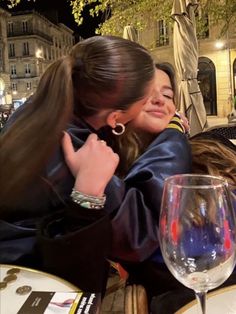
<point>171,108</point>
<point>139,121</point>
<point>136,110</point>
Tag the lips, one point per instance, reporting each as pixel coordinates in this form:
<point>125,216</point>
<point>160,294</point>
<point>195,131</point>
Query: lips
<point>156,113</point>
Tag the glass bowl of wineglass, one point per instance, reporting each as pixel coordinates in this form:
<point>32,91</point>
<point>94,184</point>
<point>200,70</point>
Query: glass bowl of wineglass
<point>198,232</point>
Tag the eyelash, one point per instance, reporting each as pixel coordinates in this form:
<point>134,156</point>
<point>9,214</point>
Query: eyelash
<point>169,97</point>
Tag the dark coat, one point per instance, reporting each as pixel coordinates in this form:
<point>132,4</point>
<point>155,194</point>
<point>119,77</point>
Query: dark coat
<point>74,242</point>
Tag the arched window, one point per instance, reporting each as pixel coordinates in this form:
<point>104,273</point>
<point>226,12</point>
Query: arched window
<point>207,83</point>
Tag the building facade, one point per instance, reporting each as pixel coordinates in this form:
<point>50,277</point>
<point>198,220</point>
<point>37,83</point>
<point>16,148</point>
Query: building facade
<point>217,62</point>
<point>5,83</point>
<point>33,42</point>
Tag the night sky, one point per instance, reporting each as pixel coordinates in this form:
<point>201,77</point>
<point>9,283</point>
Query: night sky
<point>65,16</point>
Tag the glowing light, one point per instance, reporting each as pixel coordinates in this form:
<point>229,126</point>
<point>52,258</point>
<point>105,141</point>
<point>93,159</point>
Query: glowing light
<point>219,44</point>
<point>39,53</point>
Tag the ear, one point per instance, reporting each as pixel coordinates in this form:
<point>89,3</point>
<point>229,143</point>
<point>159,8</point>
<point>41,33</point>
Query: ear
<point>112,118</point>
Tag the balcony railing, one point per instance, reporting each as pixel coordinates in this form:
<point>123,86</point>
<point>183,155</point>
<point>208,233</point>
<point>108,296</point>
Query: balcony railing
<point>17,33</point>
<point>22,56</point>
<point>23,76</point>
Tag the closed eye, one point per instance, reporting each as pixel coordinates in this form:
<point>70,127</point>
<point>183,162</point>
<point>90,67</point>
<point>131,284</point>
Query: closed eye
<point>168,92</point>
<point>171,97</point>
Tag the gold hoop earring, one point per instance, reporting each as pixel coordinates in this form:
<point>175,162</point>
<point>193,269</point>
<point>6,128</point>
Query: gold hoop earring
<point>119,129</point>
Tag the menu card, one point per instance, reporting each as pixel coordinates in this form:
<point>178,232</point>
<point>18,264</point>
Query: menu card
<point>46,302</point>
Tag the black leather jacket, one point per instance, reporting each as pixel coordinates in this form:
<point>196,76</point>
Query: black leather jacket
<point>132,206</point>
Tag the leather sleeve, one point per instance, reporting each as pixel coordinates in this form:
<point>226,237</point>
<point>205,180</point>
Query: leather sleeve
<point>135,224</point>
<point>75,244</point>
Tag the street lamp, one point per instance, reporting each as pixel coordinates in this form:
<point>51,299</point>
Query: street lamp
<point>39,57</point>
<point>39,53</point>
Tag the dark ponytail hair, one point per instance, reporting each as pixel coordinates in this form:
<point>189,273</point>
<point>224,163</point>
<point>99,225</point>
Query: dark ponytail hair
<point>100,72</point>
<point>109,73</point>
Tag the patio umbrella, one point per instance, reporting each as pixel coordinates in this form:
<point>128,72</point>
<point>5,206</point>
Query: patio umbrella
<point>130,33</point>
<point>186,61</point>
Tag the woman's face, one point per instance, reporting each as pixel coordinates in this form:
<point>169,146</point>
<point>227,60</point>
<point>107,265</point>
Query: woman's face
<point>159,109</point>
<point>136,107</point>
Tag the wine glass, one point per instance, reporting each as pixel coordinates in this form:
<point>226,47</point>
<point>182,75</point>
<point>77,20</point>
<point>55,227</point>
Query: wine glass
<point>197,232</point>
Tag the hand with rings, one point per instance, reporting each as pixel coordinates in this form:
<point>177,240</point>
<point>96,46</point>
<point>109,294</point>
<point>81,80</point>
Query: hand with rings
<point>184,121</point>
<point>103,142</point>
<point>87,163</point>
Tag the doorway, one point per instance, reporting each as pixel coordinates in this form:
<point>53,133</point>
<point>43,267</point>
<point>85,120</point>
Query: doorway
<point>207,82</point>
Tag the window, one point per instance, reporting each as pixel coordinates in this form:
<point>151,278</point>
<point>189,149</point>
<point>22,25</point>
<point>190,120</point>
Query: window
<point>10,28</point>
<point>14,87</point>
<point>13,70</point>
<point>25,49</point>
<point>202,24</point>
<point>44,53</point>
<point>27,69</point>
<point>25,26</point>
<point>1,60</point>
<point>163,36</point>
<point>28,86</point>
<point>11,50</point>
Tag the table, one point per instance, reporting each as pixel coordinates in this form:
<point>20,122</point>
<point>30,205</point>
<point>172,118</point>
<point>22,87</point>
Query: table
<point>11,302</point>
<point>221,301</point>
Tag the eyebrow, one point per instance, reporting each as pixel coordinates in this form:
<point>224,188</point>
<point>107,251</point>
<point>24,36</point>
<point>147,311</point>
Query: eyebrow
<point>167,87</point>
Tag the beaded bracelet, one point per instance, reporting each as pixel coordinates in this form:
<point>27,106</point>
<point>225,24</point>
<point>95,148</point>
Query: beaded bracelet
<point>88,201</point>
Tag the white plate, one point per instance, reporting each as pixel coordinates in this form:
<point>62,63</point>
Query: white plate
<point>11,302</point>
<point>222,301</point>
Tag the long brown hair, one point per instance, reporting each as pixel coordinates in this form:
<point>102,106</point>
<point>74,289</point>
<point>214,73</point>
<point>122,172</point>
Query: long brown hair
<point>100,72</point>
<point>210,156</point>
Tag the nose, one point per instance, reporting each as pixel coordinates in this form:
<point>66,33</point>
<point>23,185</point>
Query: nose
<point>158,98</point>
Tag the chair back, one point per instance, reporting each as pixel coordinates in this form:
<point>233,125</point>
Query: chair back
<point>227,130</point>
<point>136,300</point>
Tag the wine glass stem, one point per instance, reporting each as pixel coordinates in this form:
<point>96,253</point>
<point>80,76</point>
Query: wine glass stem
<point>201,299</point>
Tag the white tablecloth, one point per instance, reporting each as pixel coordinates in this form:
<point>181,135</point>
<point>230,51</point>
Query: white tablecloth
<point>222,301</point>
<point>11,302</point>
